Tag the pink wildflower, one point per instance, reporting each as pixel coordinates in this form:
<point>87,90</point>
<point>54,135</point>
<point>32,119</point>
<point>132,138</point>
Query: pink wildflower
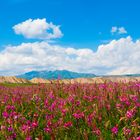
<point>47,130</point>
<point>10,107</point>
<point>129,114</point>
<point>126,131</point>
<point>10,129</point>
<point>14,135</point>
<point>34,124</point>
<point>108,107</point>
<point>114,130</point>
<point>77,103</point>
<point>25,128</point>
<point>78,115</point>
<point>64,112</point>
<point>46,103</point>
<point>90,117</point>
<point>137,104</point>
<point>97,131</point>
<point>123,98</point>
<point>49,123</point>
<point>127,103</point>
<point>134,98</point>
<point>51,96</point>
<point>28,138</point>
<point>119,106</point>
<point>138,138</point>
<point>68,124</point>
<point>5,115</point>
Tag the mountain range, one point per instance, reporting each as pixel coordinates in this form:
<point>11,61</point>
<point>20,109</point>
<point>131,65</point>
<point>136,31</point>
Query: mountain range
<point>57,74</point>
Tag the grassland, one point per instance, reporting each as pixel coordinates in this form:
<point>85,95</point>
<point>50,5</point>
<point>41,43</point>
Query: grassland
<point>104,111</point>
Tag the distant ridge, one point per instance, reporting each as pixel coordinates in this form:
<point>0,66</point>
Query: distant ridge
<point>62,74</point>
<point>133,75</point>
<point>125,75</point>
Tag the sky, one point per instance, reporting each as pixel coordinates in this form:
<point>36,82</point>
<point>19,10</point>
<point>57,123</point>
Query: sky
<point>91,36</point>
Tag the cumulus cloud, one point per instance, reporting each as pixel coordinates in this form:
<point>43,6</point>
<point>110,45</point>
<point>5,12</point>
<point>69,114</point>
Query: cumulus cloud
<point>117,57</point>
<point>122,30</point>
<point>38,29</point>
<point>114,29</point>
<point>118,30</point>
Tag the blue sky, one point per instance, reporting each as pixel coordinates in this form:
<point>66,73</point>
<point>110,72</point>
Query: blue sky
<point>81,21</point>
<point>85,24</point>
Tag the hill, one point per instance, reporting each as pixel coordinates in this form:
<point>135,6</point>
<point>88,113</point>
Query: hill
<point>62,74</point>
<point>12,79</point>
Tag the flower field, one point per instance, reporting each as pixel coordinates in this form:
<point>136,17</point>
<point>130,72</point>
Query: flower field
<point>107,111</point>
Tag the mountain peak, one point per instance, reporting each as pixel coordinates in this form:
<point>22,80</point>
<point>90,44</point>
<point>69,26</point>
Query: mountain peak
<point>62,74</point>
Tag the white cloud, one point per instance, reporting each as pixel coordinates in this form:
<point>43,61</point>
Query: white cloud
<point>38,29</point>
<point>117,57</point>
<point>122,30</point>
<point>114,29</point>
<point>118,30</point>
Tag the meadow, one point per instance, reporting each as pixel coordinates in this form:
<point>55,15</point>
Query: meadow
<point>106,111</point>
